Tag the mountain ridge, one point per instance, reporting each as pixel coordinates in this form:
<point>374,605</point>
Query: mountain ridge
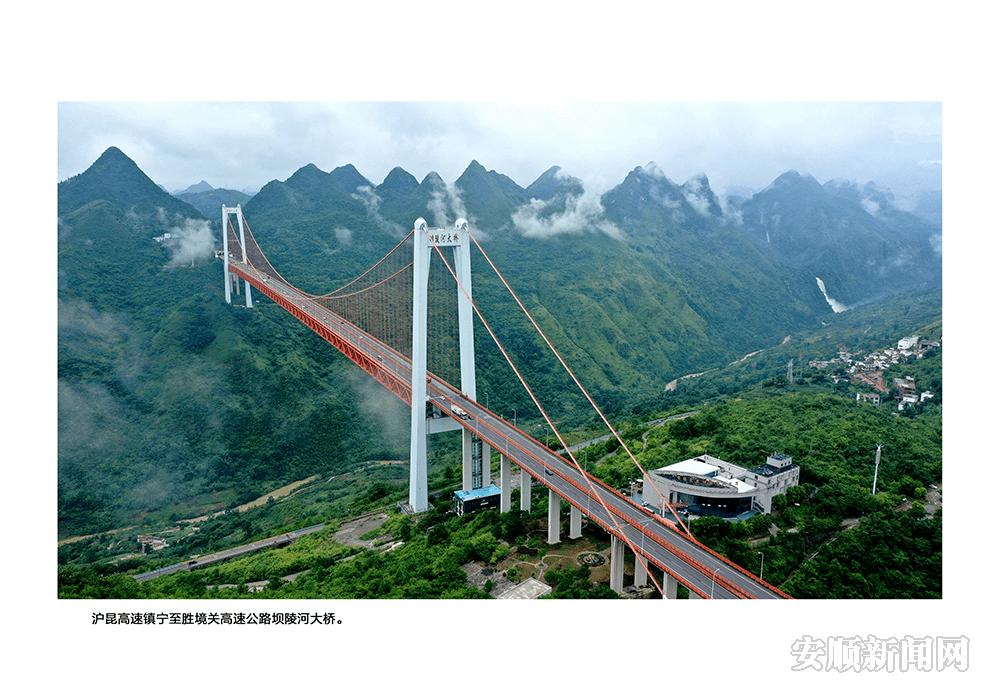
<point>854,239</point>
<point>167,392</point>
<point>116,178</point>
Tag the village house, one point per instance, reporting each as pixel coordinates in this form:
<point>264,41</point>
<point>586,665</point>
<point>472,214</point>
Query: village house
<point>870,369</point>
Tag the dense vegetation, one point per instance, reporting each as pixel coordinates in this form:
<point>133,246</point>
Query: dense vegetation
<point>889,555</point>
<point>832,437</point>
<point>799,544</point>
<point>427,565</point>
<point>174,405</point>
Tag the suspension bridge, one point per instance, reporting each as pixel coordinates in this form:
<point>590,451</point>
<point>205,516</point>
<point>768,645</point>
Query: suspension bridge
<point>408,322</point>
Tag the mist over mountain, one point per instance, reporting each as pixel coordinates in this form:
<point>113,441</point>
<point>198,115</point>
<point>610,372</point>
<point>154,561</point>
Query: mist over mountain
<point>852,237</point>
<point>167,393</point>
<point>168,398</point>
<point>555,184</point>
<point>929,207</point>
<point>711,271</point>
<point>349,179</point>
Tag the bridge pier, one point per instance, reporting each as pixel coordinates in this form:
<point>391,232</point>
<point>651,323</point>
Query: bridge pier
<point>504,483</point>
<point>554,502</point>
<point>640,571</point>
<point>641,576</point>
<point>467,444</point>
<point>669,587</point>
<point>418,397</point>
<point>525,490</point>
<point>486,460</point>
<point>617,564</point>
<point>575,522</point>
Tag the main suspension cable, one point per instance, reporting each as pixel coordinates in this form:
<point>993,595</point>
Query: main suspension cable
<point>580,386</point>
<point>641,558</point>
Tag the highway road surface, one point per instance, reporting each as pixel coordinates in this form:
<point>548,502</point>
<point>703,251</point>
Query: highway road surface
<point>700,569</point>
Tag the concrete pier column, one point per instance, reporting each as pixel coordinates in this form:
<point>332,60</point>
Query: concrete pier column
<point>669,587</point>
<point>525,491</point>
<point>575,522</point>
<point>467,481</point>
<point>640,571</point>
<point>554,502</point>
<point>243,245</point>
<point>617,564</point>
<point>504,483</point>
<point>418,498</point>
<point>487,462</point>
<point>227,275</point>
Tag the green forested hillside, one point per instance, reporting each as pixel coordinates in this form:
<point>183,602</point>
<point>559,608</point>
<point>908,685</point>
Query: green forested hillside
<point>173,404</point>
<point>631,308</point>
<point>832,437</point>
<point>210,203</point>
<point>170,401</point>
<point>853,239</point>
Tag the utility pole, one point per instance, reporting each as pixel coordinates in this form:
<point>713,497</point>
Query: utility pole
<point>878,457</point>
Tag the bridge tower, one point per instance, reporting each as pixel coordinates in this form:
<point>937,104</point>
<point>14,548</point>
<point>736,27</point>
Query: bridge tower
<point>230,278</point>
<point>475,453</point>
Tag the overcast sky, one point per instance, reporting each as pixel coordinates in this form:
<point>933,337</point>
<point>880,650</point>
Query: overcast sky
<point>738,145</point>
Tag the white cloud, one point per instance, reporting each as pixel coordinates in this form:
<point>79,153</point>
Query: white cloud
<point>699,202</point>
<point>581,213</point>
<point>190,242</point>
<point>870,206</point>
<point>731,213</point>
<point>372,205</point>
<point>936,242</point>
<point>446,205</point>
<point>344,235</point>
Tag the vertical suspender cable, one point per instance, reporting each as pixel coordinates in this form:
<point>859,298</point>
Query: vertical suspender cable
<point>621,530</point>
<point>580,386</point>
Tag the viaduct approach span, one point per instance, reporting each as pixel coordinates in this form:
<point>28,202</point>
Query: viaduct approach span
<point>382,321</point>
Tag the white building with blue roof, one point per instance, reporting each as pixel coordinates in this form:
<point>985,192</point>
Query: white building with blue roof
<point>710,486</point>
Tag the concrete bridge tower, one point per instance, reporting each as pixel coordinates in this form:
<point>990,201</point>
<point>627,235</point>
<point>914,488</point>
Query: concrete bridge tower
<point>475,452</point>
<point>230,278</point>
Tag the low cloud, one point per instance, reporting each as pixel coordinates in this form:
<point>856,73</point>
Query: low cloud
<point>582,213</point>
<point>699,202</point>
<point>870,206</point>
<point>936,242</point>
<point>190,242</point>
<point>366,195</point>
<point>388,417</point>
<point>446,205</point>
<point>731,212</point>
<point>344,235</point>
